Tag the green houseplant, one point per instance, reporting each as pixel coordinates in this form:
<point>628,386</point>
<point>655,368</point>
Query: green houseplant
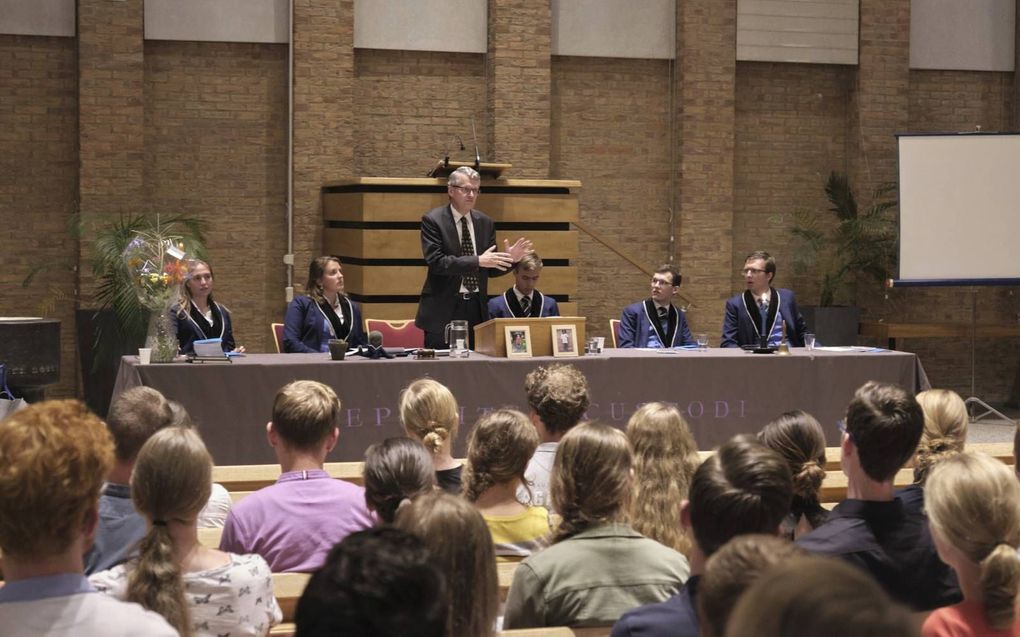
<point>845,246</point>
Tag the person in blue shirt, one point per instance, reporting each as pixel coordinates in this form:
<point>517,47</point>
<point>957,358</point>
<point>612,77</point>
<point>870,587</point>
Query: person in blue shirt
<point>523,300</point>
<point>761,308</point>
<point>324,314</point>
<point>655,322</point>
<point>196,316</point>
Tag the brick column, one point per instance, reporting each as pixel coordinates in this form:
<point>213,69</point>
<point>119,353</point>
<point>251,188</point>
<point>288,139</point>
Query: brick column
<point>518,83</point>
<point>323,115</point>
<point>880,95</point>
<point>111,117</point>
<point>706,64</point>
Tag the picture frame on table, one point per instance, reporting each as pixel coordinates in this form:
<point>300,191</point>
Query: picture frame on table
<point>518,341</point>
<point>564,340</point>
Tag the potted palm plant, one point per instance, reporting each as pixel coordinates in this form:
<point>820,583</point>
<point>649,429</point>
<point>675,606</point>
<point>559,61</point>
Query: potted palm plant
<point>846,247</point>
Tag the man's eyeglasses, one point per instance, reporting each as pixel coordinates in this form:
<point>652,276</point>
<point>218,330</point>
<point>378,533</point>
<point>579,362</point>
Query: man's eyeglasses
<point>750,271</point>
<point>467,190</point>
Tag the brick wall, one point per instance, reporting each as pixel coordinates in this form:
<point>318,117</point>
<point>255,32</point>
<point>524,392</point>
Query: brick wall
<point>408,105</point>
<point>38,184</point>
<point>216,149</point>
<point>610,126</point>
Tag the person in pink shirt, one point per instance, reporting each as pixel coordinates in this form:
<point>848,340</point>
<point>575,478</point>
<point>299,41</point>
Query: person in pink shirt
<point>973,504</point>
<point>294,523</point>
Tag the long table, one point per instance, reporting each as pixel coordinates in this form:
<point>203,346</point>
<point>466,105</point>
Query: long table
<point>721,392</point>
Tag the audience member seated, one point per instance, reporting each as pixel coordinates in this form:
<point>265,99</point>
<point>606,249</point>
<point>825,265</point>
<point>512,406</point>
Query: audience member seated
<point>461,546</point>
<point>973,503</point>
<point>214,514</point>
<point>817,596</point>
<point>731,571</point>
<point>134,416</point>
<point>430,415</point>
<point>872,529</point>
<point>944,436</point>
<point>799,439</point>
<point>598,567</point>
<point>558,397</point>
<point>196,316</point>
<point>375,583</point>
<point>743,488</point>
<point>498,451</point>
<point>294,523</point>
<point>53,458</point>
<point>656,322</point>
<point>200,591</point>
<point>323,313</point>
<point>397,470</point>
<point>665,457</point>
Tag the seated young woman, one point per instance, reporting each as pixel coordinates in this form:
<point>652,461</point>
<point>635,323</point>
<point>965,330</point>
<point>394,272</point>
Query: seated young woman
<point>200,591</point>
<point>430,415</point>
<point>598,566</point>
<point>498,453</point>
<point>196,316</point>
<point>323,313</point>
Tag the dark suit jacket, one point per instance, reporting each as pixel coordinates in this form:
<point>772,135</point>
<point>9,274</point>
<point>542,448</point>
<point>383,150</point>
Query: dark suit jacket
<point>441,249</point>
<point>304,326</point>
<point>675,617</point>
<point>188,331</point>
<point>506,305</point>
<point>635,327</point>
<point>740,326</point>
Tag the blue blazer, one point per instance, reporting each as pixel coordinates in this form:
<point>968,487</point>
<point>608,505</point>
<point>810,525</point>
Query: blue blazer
<point>742,321</point>
<point>188,331</point>
<point>636,326</point>
<point>675,617</point>
<point>507,306</point>
<point>306,328</point>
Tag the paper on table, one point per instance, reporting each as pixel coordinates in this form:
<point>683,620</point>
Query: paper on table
<point>209,348</point>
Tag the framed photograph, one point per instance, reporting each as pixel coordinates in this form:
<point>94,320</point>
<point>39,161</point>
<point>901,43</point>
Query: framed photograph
<point>564,340</point>
<point>518,341</point>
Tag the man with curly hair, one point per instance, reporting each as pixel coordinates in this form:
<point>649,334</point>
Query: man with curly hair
<point>558,398</point>
<point>54,457</point>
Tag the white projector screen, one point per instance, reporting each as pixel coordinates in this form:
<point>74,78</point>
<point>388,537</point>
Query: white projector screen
<point>959,209</point>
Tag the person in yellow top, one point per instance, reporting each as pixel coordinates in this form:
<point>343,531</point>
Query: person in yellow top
<point>499,449</point>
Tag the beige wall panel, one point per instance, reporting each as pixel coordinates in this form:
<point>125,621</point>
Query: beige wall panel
<point>406,279</point>
<point>977,35</point>
<point>400,206</point>
<point>614,28</point>
<point>406,244</point>
<point>811,31</point>
<point>421,25</point>
<point>261,21</point>
<point>404,311</point>
<point>37,17</point>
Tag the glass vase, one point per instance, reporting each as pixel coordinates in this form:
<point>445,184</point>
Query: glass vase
<point>162,337</point>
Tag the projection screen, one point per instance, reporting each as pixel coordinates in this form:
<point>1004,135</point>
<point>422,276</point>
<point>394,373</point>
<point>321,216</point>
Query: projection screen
<point>959,209</point>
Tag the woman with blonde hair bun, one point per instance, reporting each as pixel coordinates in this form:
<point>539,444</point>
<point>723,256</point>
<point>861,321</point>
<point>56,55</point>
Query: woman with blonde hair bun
<point>200,591</point>
<point>799,439</point>
<point>430,414</point>
<point>598,566</point>
<point>945,429</point>
<point>665,458</point>
<point>499,449</point>
<point>973,505</point>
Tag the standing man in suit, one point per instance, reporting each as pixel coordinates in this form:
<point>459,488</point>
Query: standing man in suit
<point>762,309</point>
<point>523,300</point>
<point>655,322</point>
<point>459,246</point>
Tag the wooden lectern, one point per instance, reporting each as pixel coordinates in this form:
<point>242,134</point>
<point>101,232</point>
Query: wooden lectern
<point>490,336</point>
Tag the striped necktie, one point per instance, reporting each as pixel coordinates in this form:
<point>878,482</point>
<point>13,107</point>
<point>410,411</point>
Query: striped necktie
<point>467,249</point>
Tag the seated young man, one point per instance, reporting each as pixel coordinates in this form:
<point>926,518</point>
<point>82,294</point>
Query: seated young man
<point>558,398</point>
<point>743,488</point>
<point>134,416</point>
<point>523,300</point>
<point>294,523</point>
<point>53,459</point>
<point>872,529</point>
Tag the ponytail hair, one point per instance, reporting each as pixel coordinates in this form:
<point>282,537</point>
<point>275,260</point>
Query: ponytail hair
<point>396,470</point>
<point>170,484</point>
<point>499,449</point>
<point>973,504</point>
<point>430,413</point>
<point>945,429</point>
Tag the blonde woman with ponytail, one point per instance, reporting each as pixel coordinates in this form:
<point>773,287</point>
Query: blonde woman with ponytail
<point>200,591</point>
<point>799,439</point>
<point>499,449</point>
<point>430,414</point>
<point>945,429</point>
<point>973,505</point>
